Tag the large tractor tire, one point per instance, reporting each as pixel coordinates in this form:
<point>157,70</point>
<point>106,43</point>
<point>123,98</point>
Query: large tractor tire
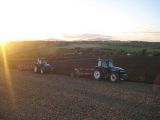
<point>97,74</point>
<point>114,77</point>
<point>35,69</point>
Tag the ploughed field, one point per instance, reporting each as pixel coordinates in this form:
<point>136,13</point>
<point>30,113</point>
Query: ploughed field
<point>138,68</point>
<point>29,96</point>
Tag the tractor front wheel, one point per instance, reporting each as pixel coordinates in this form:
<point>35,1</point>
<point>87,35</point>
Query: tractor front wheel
<point>114,77</point>
<point>42,71</point>
<point>35,69</point>
<point>97,74</point>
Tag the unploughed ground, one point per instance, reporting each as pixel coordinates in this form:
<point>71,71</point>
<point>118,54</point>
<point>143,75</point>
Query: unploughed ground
<point>30,96</point>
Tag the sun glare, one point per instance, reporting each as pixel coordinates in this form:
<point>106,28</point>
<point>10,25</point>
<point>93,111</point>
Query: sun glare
<point>2,41</point>
<point>7,73</point>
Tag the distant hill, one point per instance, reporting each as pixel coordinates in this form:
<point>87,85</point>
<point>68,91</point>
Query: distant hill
<point>87,37</point>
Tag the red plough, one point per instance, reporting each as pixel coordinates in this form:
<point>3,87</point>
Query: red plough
<point>82,72</point>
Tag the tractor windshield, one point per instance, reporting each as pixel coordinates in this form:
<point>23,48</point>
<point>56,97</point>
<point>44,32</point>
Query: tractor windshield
<point>110,64</point>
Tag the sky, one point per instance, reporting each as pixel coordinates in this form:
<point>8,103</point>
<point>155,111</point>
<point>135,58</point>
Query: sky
<point>45,19</point>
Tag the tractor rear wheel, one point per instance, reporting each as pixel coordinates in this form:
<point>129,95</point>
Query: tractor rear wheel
<point>97,74</point>
<point>114,77</point>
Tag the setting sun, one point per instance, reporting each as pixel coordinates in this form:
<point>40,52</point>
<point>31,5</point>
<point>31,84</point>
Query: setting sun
<point>3,41</point>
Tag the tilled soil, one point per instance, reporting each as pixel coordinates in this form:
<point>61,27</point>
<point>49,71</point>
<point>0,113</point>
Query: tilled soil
<point>29,96</point>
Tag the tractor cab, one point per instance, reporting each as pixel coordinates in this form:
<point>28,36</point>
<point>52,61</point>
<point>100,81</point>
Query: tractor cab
<point>105,63</point>
<point>41,61</point>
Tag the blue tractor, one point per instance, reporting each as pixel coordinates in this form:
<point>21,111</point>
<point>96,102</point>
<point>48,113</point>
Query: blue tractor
<point>106,69</point>
<point>41,66</point>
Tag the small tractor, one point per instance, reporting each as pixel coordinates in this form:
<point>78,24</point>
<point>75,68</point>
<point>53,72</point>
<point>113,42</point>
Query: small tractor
<point>41,66</point>
<point>104,70</point>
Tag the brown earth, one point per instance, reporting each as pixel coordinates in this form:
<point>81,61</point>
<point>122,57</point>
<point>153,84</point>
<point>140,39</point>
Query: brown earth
<point>50,97</point>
